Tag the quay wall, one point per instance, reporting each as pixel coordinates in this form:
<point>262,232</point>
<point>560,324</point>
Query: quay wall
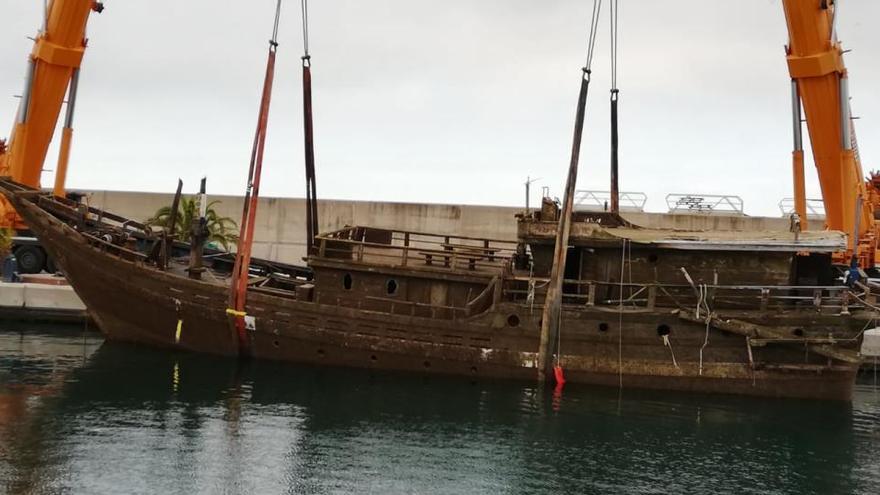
<point>280,233</point>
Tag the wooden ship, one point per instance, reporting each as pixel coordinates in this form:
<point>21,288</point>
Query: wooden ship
<point>581,297</point>
<point>692,312</point>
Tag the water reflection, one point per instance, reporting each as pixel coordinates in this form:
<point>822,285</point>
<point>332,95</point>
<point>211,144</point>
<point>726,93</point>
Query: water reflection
<point>82,417</point>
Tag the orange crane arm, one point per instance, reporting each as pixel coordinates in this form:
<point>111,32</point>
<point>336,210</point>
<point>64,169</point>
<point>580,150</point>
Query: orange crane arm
<point>819,82</point>
<point>53,66</point>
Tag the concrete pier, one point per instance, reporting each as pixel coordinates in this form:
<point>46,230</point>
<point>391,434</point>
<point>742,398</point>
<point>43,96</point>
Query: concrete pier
<point>280,233</point>
<point>40,301</point>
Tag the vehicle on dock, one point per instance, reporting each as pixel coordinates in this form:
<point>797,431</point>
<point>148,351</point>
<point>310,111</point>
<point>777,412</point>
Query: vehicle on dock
<point>693,311</point>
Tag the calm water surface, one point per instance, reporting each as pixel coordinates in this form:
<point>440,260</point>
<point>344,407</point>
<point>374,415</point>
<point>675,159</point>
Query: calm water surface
<point>79,416</point>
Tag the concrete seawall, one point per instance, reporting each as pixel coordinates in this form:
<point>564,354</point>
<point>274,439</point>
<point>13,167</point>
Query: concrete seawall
<point>280,233</point>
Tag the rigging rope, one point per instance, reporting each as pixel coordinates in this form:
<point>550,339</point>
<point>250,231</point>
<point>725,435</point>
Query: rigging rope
<point>613,8</point>
<point>594,30</point>
<point>304,6</point>
<point>274,41</point>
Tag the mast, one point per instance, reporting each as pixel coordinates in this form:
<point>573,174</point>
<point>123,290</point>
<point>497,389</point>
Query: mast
<point>552,311</point>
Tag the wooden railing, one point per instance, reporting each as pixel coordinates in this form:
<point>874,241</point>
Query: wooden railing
<point>402,248</point>
<point>651,295</point>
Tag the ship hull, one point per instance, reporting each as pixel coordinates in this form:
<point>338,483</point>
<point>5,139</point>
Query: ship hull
<point>134,302</point>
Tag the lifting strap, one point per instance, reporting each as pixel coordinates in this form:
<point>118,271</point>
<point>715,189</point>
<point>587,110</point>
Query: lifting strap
<point>308,135</point>
<point>615,94</point>
<point>241,268</point>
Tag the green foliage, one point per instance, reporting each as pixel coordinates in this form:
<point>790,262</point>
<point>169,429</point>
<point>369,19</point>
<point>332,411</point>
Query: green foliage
<point>222,231</point>
<point>5,241</point>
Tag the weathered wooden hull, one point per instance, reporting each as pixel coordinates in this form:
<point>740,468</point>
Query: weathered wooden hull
<point>135,302</point>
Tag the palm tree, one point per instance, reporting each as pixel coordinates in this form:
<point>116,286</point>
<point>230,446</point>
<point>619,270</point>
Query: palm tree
<point>5,242</point>
<point>222,231</point>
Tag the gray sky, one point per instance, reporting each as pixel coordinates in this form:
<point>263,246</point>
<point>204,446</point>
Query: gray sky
<point>449,101</point>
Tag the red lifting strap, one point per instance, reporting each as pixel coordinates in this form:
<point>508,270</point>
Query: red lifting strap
<point>241,269</point>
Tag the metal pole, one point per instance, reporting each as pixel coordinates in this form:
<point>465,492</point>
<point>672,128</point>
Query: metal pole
<point>26,94</point>
<point>845,139</point>
<point>858,222</point>
<point>66,137</point>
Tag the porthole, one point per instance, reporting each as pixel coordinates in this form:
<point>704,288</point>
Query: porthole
<point>320,352</point>
<point>663,330</point>
<point>798,332</point>
<point>347,281</point>
<point>391,287</point>
<point>374,358</point>
<point>603,327</point>
<point>427,364</point>
<point>276,343</point>
<point>652,258</point>
<point>513,321</point>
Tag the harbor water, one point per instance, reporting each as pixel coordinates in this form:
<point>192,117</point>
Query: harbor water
<point>81,416</point>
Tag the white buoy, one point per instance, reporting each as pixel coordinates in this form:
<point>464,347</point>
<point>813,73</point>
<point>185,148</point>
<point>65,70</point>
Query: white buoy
<point>871,343</point>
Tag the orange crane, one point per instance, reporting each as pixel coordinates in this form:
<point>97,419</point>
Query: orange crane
<point>52,72</point>
<point>820,84</point>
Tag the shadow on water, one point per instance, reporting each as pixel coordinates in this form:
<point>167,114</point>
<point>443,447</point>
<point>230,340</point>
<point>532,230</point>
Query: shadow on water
<point>142,421</point>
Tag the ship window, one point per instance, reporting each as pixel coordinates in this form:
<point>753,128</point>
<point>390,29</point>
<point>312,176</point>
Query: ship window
<point>513,321</point>
<point>603,327</point>
<point>663,329</point>
<point>391,287</point>
<point>652,258</point>
<point>346,281</point>
<point>798,332</point>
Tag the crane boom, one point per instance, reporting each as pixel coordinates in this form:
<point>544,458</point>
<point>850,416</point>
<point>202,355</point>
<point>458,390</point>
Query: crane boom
<point>52,66</point>
<point>820,81</point>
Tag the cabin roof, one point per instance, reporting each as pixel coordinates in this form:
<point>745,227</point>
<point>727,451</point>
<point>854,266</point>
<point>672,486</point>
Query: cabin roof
<point>591,234</point>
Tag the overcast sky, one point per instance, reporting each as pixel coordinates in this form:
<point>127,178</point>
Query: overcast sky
<point>450,101</point>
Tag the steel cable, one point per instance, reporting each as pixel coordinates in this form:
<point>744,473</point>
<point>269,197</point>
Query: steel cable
<point>594,30</point>
<point>304,5</point>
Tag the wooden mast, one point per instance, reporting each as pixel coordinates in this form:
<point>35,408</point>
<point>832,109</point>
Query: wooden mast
<point>552,312</point>
<point>553,302</point>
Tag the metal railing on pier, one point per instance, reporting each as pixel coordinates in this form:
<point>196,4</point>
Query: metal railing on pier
<point>815,208</point>
<point>722,204</point>
<point>585,200</point>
